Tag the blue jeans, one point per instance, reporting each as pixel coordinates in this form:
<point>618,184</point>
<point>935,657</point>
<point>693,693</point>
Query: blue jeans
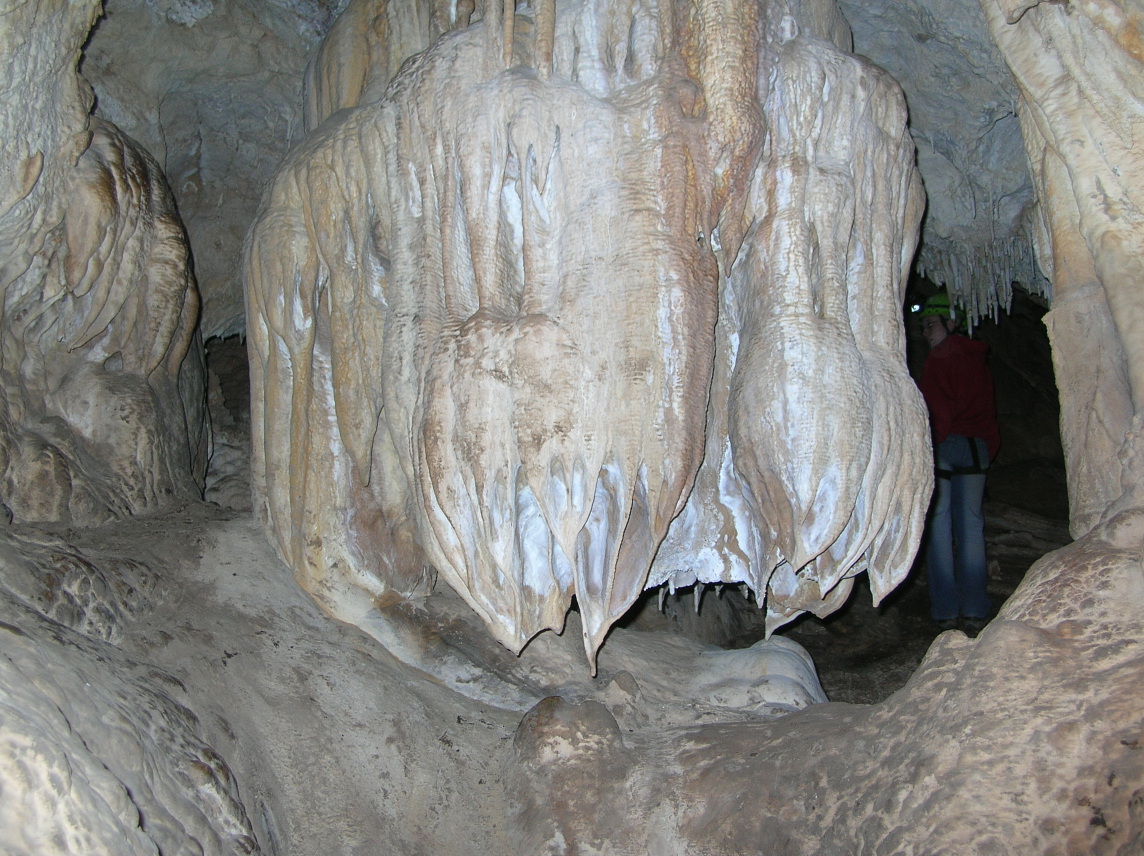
<point>955,552</point>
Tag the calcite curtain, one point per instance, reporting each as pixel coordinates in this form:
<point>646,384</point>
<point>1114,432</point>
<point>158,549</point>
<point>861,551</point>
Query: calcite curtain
<point>589,298</point>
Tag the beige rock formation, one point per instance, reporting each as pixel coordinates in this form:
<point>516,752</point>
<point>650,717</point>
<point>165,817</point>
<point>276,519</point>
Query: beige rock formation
<point>166,689</point>
<point>486,377</point>
<point>976,754</point>
<point>215,91</point>
<point>102,409</point>
<point>95,754</point>
<point>1078,70</point>
<point>817,463</point>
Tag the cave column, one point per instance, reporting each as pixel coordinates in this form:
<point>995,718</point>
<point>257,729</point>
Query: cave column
<point>1078,134</point>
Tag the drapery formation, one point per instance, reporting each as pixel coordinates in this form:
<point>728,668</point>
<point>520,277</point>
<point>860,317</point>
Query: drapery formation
<point>571,277</point>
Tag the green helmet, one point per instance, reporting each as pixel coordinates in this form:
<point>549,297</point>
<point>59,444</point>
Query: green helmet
<point>937,304</point>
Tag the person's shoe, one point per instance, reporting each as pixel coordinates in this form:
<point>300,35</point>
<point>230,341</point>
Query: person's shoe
<point>973,626</point>
<point>944,624</point>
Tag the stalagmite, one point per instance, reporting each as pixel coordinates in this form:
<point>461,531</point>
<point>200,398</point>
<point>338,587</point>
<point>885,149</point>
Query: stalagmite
<point>491,339</point>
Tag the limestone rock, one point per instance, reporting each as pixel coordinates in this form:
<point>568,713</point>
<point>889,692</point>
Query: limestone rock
<point>215,90</point>
<point>101,390</point>
<point>96,753</point>
<point>1082,83</point>
<point>815,429</point>
<point>1025,740</point>
<point>212,88</point>
<point>365,47</point>
<point>484,376</point>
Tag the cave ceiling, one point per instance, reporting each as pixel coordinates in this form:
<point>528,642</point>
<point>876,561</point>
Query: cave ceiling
<point>962,101</point>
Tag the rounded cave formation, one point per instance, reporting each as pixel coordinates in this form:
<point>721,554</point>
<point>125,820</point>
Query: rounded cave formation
<point>495,426</point>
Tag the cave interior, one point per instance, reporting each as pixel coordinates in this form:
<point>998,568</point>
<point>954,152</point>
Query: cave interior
<point>195,457</point>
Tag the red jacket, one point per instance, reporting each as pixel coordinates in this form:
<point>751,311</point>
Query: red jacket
<point>958,389</point>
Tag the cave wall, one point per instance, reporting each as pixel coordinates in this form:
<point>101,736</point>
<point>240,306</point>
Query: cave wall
<point>212,88</point>
<point>102,405</point>
<point>1078,70</point>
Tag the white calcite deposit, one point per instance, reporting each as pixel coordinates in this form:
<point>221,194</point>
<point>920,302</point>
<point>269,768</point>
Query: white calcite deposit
<point>500,316</point>
<point>553,301</point>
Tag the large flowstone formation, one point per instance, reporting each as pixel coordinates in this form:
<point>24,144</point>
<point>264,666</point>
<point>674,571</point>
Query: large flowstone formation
<point>1081,98</point>
<point>164,687</point>
<point>575,276</point>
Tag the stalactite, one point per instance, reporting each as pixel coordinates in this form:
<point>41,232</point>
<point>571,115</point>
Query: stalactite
<point>981,278</point>
<point>510,354</point>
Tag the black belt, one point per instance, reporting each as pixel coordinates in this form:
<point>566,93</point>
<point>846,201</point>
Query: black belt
<point>974,470</point>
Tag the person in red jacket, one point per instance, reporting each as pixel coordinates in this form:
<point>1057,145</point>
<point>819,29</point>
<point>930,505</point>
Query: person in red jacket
<point>958,389</point>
